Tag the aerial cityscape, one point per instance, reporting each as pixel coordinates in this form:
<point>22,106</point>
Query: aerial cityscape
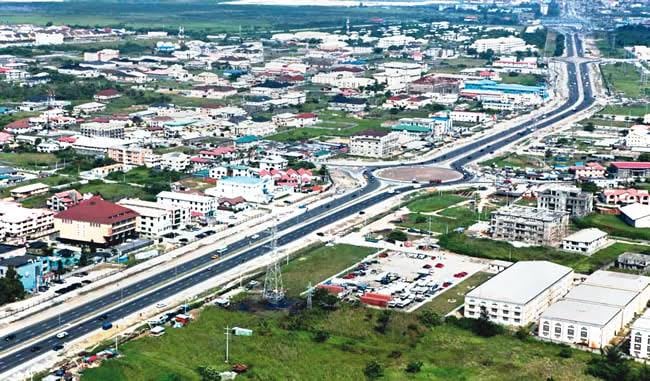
<point>336,190</point>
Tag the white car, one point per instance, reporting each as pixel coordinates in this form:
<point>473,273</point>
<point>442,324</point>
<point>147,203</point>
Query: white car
<point>61,335</point>
<point>161,305</point>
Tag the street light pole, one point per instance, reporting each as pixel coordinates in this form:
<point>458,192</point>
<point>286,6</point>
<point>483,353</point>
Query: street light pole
<point>227,333</point>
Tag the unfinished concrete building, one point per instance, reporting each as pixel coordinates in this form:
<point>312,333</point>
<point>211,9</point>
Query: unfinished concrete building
<point>570,199</point>
<point>530,225</point>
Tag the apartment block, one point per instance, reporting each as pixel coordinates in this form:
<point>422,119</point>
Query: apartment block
<point>530,225</point>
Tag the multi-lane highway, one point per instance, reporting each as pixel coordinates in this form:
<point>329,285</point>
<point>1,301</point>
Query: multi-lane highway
<point>83,319</point>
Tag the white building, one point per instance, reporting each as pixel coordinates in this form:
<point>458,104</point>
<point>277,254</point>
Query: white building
<point>595,311</point>
<point>342,79</point>
<point>640,337</point>
<point>638,138</point>
<point>252,189</point>
<point>500,45</point>
<point>19,225</point>
<point>637,215</point>
<point>373,143</point>
<point>156,219</point>
<point>273,162</point>
<point>519,294</point>
<point>174,161</point>
<point>48,39</point>
<point>585,241</point>
<point>250,127</point>
<point>103,55</point>
<point>397,75</point>
<point>197,204</point>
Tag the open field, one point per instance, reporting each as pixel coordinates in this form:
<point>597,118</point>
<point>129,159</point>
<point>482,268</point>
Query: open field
<point>115,192</point>
<point>330,125</point>
<point>454,296</point>
<point>613,225</point>
<point>434,201</point>
<point>486,248</point>
<point>514,161</point>
<point>456,65</point>
<point>623,78</point>
<point>523,79</point>
<point>633,110</point>
<point>319,264</point>
<point>283,345</point>
<point>28,160</point>
<point>447,220</point>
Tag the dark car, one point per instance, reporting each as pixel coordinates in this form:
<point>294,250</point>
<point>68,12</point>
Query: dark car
<point>103,317</point>
<point>10,337</point>
<point>57,347</point>
<point>35,348</point>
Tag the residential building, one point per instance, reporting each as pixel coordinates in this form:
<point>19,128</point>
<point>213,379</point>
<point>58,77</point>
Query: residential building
<point>273,162</point>
<point>349,104</point>
<point>625,196</point>
<point>19,225</point>
<point>103,55</point>
<point>252,189</point>
<point>588,171</point>
<point>135,156</point>
<point>375,143</point>
<point>63,200</point>
<point>156,219</point>
<point>96,222</point>
<point>174,161</point>
<point>105,130</point>
<point>200,206</point>
<point>250,127</point>
<point>520,293</point>
<point>638,138</point>
<point>529,225</point>
<point>107,95</point>
<point>637,215</point>
<point>570,199</point>
<point>29,268</point>
<point>89,108</point>
<point>585,241</point>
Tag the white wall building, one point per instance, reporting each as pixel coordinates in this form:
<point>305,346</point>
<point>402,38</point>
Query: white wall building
<point>638,138</point>
<point>19,225</point>
<point>374,144</point>
<point>640,337</point>
<point>585,241</point>
<point>174,161</point>
<point>519,294</point>
<point>197,204</point>
<point>252,189</point>
<point>156,219</point>
<point>500,45</point>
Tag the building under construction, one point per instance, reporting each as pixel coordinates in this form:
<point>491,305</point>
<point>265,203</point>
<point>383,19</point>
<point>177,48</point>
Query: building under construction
<point>529,225</point>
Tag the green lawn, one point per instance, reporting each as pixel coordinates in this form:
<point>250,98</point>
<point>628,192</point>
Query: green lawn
<point>318,264</point>
<point>633,110</point>
<point>115,192</point>
<point>144,176</point>
<point>332,124</point>
<point>486,248</point>
<point>447,221</point>
<point>522,79</point>
<point>623,78</point>
<point>515,161</point>
<point>456,65</point>
<point>613,225</point>
<point>28,160</point>
<point>433,202</point>
<point>441,304</point>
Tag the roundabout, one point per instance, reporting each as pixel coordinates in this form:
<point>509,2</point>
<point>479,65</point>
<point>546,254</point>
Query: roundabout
<point>419,174</point>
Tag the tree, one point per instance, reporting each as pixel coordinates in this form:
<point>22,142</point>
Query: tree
<point>522,333</point>
<point>565,352</point>
<point>397,235</point>
<point>610,365</point>
<point>430,318</point>
<point>321,336</point>
<point>373,370</point>
<point>83,259</point>
<point>60,269</point>
<point>589,186</point>
<point>382,321</point>
<point>209,373</point>
<point>484,327</point>
<point>644,156</point>
<point>11,288</point>
<point>589,127</point>
<point>414,367</point>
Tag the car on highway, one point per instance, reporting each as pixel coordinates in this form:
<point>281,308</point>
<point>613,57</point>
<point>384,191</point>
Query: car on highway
<point>62,335</point>
<point>161,305</point>
<point>35,348</point>
<point>255,236</point>
<point>215,256</point>
<point>107,325</point>
<point>102,317</point>
<point>10,337</point>
<point>57,347</point>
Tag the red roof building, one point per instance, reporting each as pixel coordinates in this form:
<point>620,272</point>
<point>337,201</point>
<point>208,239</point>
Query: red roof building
<point>107,94</point>
<point>96,222</point>
<point>630,169</point>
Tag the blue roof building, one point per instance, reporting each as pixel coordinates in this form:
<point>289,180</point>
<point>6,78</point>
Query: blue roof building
<point>488,85</point>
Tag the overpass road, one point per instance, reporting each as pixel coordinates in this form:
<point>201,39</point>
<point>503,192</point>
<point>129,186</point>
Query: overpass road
<point>85,318</point>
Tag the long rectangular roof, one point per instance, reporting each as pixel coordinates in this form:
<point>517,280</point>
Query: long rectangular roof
<point>581,312</point>
<point>521,282</point>
<point>602,295</point>
<point>622,281</point>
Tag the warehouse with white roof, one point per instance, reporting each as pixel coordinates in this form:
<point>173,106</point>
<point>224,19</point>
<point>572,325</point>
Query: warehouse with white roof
<point>593,312</point>
<point>519,294</point>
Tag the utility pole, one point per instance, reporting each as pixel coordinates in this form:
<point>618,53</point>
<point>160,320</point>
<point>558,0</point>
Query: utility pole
<point>227,333</point>
<point>309,296</point>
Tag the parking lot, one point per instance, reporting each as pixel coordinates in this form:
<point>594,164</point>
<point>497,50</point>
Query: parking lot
<point>401,280</point>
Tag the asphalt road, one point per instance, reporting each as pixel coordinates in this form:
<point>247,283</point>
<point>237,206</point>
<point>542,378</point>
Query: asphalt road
<point>93,310</point>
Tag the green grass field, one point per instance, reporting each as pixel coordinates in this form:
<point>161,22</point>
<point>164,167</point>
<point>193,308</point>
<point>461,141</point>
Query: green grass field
<point>114,192</point>
<point>613,225</point>
<point>486,248</point>
<point>28,160</point>
<point>514,161</point>
<point>448,220</point>
<point>442,304</point>
<point>633,110</point>
<point>523,79</point>
<point>433,202</point>
<point>623,78</point>
<point>320,264</point>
